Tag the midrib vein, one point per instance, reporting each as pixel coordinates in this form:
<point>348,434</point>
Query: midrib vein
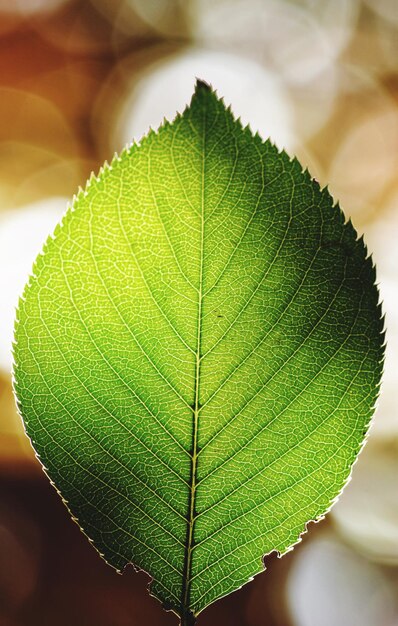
<point>186,616</point>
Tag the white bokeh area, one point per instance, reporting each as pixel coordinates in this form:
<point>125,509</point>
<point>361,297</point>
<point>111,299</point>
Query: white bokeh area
<point>256,94</point>
<point>23,232</point>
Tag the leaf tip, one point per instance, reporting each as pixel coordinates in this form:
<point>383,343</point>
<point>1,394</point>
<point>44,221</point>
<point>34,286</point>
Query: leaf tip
<point>202,85</point>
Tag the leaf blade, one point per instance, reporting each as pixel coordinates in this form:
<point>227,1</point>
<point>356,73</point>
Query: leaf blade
<point>216,347</point>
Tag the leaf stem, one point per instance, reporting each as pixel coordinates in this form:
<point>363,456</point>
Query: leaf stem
<point>188,619</point>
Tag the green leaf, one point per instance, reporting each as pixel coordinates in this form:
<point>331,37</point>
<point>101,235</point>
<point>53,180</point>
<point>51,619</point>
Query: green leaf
<point>198,355</point>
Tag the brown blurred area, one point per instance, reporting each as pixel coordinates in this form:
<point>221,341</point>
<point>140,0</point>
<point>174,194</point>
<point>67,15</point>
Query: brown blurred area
<point>78,80</point>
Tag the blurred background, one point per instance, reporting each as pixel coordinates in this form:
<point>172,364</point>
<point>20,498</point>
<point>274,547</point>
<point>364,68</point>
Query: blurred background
<point>78,80</point>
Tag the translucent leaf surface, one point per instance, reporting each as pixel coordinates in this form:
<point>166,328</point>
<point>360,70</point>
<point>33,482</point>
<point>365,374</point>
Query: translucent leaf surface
<point>198,354</point>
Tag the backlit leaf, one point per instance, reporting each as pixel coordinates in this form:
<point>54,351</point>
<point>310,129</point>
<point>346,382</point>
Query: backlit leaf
<point>198,355</point>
